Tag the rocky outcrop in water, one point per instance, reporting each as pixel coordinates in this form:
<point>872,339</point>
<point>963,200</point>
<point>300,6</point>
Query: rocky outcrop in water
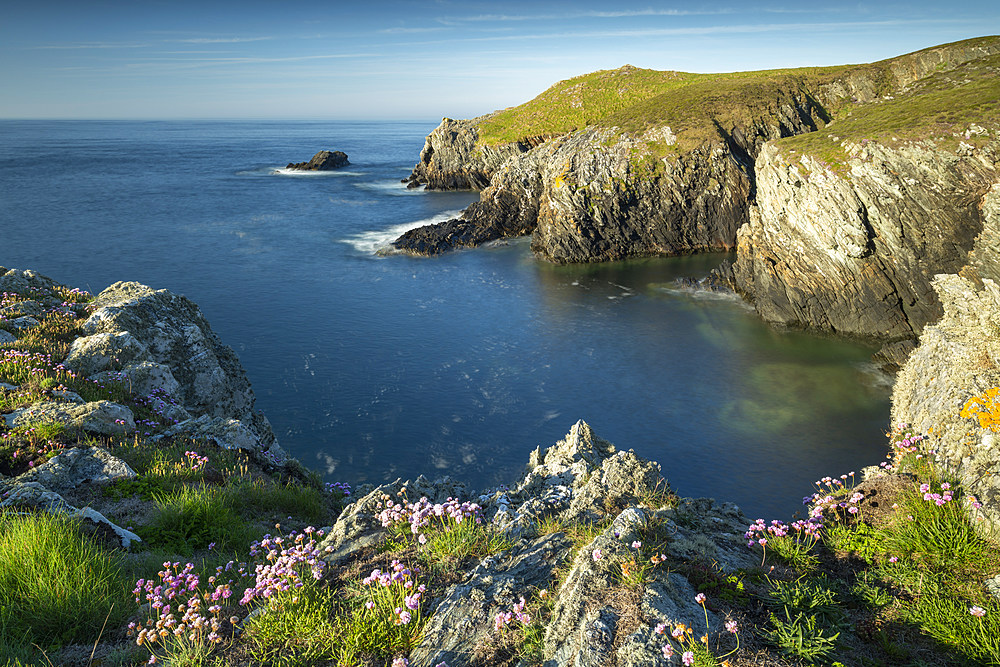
<point>322,161</point>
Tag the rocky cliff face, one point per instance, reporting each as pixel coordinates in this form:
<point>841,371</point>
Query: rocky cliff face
<point>454,159</point>
<point>853,249</point>
<point>601,194</point>
<point>958,358</point>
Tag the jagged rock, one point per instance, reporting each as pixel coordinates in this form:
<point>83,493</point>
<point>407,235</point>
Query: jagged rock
<point>21,323</point>
<point>32,495</point>
<point>322,161</point>
<point>853,251</point>
<point>80,465</point>
<point>226,433</point>
<point>102,417</point>
<point>453,159</point>
<point>146,378</point>
<point>958,358</point>
<point>705,530</point>
<point>357,527</point>
<point>22,282</point>
<point>464,618</point>
<point>180,341</point>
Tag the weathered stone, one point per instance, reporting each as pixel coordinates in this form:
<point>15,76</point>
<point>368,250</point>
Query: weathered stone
<point>176,336</point>
<point>6,337</point>
<point>226,433</point>
<point>357,528</point>
<point>22,282</point>
<point>958,358</point>
<point>102,417</point>
<point>27,308</point>
<point>322,161</point>
<point>464,617</point>
<point>80,465</point>
<point>98,353</point>
<point>854,251</point>
<point>21,323</point>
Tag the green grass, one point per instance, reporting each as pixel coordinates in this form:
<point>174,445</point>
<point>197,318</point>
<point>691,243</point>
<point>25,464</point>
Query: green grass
<point>192,518</point>
<point>697,106</point>
<point>56,585</point>
<point>301,629</point>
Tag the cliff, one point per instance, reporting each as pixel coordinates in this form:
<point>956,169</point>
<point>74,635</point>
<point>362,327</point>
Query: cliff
<point>843,189</point>
<point>851,223</point>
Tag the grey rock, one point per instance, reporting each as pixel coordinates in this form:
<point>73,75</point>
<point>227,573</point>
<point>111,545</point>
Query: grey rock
<point>8,387</point>
<point>146,378</point>
<point>176,336</point>
<point>226,433</point>
<point>98,353</point>
<point>22,282</point>
<point>357,528</point>
<point>6,337</point>
<point>958,358</point>
<point>464,617</point>
<point>321,161</point>
<point>73,467</point>
<point>102,417</point>
<point>854,252</point>
<point>29,308</point>
<point>21,323</point>
<point>67,395</point>
<point>453,159</point>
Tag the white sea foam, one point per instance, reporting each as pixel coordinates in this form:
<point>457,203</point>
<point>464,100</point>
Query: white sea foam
<point>703,294</point>
<point>371,242</point>
<point>392,187</point>
<point>284,171</point>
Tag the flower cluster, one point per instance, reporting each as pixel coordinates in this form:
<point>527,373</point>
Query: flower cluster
<point>285,562</point>
<point>422,513</point>
<point>180,609</point>
<point>394,596</point>
<point>937,498</point>
<point>516,613</point>
<point>343,488</point>
<point>684,635</point>
<point>196,461</point>
<point>802,530</point>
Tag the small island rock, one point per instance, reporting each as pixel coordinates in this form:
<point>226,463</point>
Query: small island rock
<point>322,161</point>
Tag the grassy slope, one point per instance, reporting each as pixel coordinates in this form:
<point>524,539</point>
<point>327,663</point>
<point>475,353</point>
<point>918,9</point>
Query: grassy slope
<point>633,98</point>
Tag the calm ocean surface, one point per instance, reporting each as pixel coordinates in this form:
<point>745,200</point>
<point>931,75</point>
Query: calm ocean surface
<point>372,367</point>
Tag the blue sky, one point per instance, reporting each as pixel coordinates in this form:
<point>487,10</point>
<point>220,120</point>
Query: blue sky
<point>415,60</point>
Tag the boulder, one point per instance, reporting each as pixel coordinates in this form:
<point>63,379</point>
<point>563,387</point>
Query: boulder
<point>32,495</point>
<point>322,161</point>
<point>80,465</point>
<point>166,347</point>
<point>102,417</point>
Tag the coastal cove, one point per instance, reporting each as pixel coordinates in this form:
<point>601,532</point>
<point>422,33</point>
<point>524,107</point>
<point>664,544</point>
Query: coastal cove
<point>371,368</point>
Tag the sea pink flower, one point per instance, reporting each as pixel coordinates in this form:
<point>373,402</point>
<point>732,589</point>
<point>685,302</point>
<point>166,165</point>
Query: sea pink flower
<point>977,611</point>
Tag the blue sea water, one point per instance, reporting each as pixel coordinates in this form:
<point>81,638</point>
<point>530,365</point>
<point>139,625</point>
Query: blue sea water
<point>373,367</point>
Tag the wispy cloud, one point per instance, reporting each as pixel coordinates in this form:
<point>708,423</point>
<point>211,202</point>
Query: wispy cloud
<point>91,45</point>
<point>597,14</point>
<point>401,31</point>
<point>223,40</point>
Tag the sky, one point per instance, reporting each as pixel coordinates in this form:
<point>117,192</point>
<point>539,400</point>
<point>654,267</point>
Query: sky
<point>375,60</point>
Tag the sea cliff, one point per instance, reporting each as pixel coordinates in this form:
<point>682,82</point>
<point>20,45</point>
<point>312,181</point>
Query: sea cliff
<point>843,190</point>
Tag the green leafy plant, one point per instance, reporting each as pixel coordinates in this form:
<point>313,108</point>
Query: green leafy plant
<point>801,636</point>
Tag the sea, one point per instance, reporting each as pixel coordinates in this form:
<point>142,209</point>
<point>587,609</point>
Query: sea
<point>373,367</point>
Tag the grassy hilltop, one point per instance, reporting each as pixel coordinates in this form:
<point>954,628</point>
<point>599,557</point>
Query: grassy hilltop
<point>693,105</point>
